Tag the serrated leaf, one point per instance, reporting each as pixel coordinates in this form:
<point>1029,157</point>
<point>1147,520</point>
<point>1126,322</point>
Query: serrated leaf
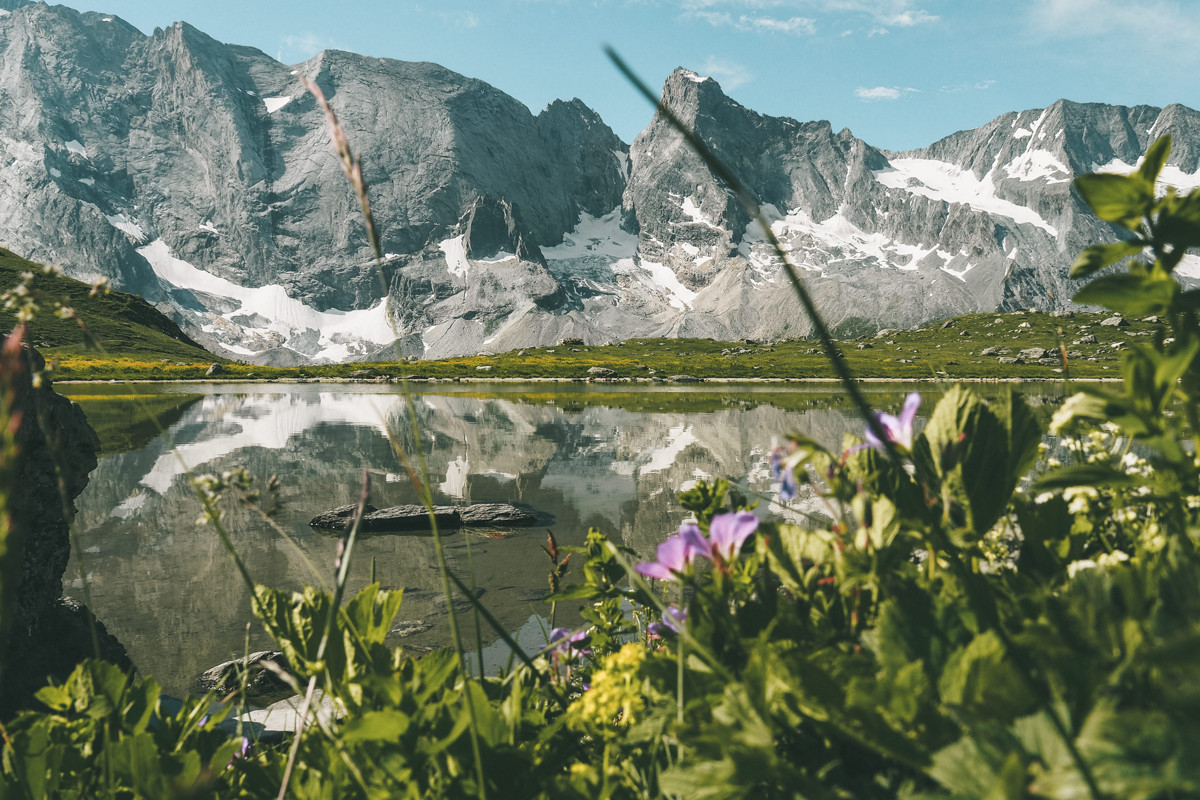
<point>1116,198</point>
<point>1099,256</point>
<point>385,725</point>
<point>1154,160</point>
<point>1132,294</point>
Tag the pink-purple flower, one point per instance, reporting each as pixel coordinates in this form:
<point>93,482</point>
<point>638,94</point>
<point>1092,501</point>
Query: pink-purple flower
<point>676,554</point>
<point>726,535</point>
<point>899,430</point>
<point>568,644</point>
<point>728,532</point>
<point>783,472</point>
<point>674,618</point>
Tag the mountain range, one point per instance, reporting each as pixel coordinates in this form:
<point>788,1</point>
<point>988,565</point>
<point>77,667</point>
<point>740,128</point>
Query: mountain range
<point>200,176</point>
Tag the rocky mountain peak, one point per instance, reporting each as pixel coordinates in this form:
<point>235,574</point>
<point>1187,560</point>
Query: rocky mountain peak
<point>200,175</point>
<point>491,228</point>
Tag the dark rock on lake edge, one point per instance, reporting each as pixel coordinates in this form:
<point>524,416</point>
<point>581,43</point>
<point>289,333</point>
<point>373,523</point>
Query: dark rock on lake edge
<point>415,518</point>
<point>46,634</point>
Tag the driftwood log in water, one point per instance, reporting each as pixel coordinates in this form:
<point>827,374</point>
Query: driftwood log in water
<point>415,518</point>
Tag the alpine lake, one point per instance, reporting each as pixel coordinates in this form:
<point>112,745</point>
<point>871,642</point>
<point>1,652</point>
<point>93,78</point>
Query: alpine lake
<point>613,457</point>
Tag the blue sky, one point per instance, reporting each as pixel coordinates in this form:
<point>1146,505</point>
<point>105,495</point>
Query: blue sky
<point>899,73</point>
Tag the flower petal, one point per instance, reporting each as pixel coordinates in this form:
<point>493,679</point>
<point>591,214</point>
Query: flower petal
<point>695,542</point>
<point>653,569</point>
<point>729,531</point>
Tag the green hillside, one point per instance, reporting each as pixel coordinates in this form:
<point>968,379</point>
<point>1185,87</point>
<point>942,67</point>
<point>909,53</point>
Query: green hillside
<point>123,324</point>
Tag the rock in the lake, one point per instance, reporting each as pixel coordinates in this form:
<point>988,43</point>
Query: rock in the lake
<point>400,519</point>
<point>495,514</point>
<point>263,684</point>
<point>337,519</point>
<point>415,518</point>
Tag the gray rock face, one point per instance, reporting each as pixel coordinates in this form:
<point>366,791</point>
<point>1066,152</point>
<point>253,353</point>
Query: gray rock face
<point>47,633</point>
<point>199,175</point>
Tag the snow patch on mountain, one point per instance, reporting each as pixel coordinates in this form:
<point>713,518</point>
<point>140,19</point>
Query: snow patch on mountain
<point>456,256</point>
<point>273,104</point>
<point>127,226</point>
<point>340,335</point>
<point>76,147</point>
<point>1171,175</point>
<point>595,236</point>
<point>1189,266</point>
<point>1033,165</point>
<point>693,211</point>
<point>659,278</point>
<point>816,245</point>
<point>939,180</point>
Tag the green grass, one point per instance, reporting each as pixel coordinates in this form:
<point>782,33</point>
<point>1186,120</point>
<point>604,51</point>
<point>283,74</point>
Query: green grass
<point>928,353</point>
<point>124,421</point>
<point>125,325</point>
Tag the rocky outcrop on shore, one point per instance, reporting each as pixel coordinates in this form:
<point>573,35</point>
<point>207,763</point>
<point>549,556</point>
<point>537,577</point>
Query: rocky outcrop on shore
<point>47,634</point>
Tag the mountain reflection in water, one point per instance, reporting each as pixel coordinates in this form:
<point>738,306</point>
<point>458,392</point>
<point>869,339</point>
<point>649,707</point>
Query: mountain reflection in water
<point>588,456</point>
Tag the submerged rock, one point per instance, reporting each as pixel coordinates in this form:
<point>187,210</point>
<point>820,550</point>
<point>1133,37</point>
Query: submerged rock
<point>406,518</point>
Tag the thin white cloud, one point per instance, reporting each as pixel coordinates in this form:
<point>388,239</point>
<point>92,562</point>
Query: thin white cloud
<point>883,92</point>
<point>1156,25</point>
<point>729,74</point>
<point>958,88</point>
<point>460,19</point>
<point>752,23</point>
<point>301,47</point>
<point>804,16</point>
<point>793,25</point>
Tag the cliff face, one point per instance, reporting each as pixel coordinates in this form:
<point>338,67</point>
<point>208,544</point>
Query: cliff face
<point>47,634</point>
<point>199,175</point>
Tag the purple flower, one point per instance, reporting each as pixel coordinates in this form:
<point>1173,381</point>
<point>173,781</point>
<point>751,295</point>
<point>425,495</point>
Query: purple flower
<point>899,430</point>
<point>568,644</point>
<point>727,533</point>
<point>241,752</point>
<point>784,473</point>
<point>676,554</point>
<point>674,618</point>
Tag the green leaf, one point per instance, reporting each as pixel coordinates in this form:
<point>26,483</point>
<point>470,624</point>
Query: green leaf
<point>1116,198</point>
<point>1132,294</point>
<point>1155,158</point>
<point>1099,256</point>
<point>386,725</point>
<point>372,611</point>
<point>1083,475</point>
<point>978,456</point>
<point>1081,405</point>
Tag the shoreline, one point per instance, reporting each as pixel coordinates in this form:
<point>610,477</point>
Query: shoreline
<point>589,381</point>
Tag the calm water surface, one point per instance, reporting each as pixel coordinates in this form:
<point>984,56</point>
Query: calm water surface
<point>605,457</point>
